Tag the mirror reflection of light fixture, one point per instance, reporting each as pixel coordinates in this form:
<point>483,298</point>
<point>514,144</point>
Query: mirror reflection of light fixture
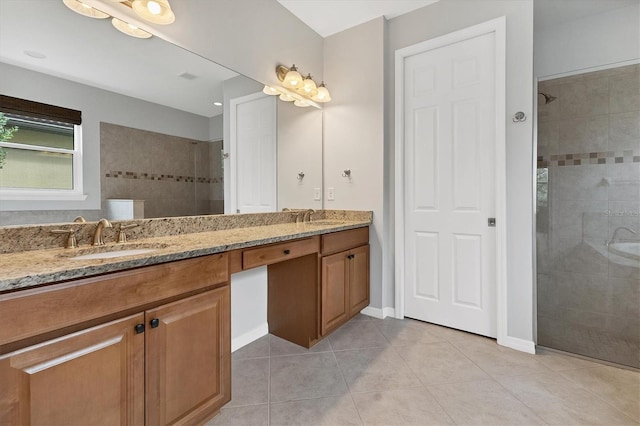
<point>129,29</point>
<point>84,9</point>
<point>154,11</point>
<point>268,90</point>
<point>286,97</point>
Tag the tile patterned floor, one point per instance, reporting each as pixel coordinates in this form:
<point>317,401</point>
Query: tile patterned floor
<point>405,372</point>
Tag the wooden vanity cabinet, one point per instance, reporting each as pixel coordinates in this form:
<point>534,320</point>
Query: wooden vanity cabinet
<point>345,277</point>
<point>91,377</point>
<point>188,358</point>
<point>168,363</point>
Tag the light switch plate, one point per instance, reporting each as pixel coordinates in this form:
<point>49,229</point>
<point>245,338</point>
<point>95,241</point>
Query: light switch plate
<point>316,194</point>
<point>331,194</point>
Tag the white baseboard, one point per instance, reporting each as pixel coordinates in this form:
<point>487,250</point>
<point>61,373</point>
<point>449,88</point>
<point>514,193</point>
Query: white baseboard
<point>378,313</point>
<point>248,337</point>
<point>518,344</point>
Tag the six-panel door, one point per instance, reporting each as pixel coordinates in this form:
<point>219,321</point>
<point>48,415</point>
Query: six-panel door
<point>92,377</point>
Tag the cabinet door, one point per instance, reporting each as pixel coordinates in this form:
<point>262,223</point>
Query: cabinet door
<point>188,350</point>
<point>335,291</point>
<point>92,377</point>
<point>358,279</point>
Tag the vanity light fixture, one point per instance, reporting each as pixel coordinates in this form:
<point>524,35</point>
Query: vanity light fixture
<point>129,29</point>
<point>84,9</point>
<point>154,11</point>
<point>303,91</point>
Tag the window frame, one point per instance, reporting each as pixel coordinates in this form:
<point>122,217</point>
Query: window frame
<point>38,110</point>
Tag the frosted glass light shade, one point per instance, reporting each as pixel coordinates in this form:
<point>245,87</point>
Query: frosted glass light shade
<point>286,98</point>
<point>85,9</point>
<point>154,11</point>
<point>322,95</point>
<point>300,103</point>
<point>293,79</point>
<point>309,87</point>
<point>268,90</point>
<point>128,29</point>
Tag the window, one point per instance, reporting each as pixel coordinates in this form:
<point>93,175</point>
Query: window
<point>42,151</point>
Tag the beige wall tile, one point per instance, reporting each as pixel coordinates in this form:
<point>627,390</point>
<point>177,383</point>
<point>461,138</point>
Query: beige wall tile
<point>584,98</point>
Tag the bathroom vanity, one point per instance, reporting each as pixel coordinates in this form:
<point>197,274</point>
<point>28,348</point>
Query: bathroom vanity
<point>148,339</point>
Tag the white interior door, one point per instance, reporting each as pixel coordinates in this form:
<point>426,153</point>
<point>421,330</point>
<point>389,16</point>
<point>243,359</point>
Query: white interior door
<point>253,153</point>
<point>449,121</point>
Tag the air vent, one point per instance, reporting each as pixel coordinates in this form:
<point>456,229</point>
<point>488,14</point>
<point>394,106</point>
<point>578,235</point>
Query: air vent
<point>187,76</point>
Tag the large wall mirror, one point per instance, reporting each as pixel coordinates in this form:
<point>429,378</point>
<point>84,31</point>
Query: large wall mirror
<point>151,128</point>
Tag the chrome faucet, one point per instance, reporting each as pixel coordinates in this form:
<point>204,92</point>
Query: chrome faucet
<point>615,233</point>
<point>80,219</point>
<point>98,240</point>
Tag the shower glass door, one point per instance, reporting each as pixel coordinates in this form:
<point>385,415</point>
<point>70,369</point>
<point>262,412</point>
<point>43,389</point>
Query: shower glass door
<point>588,223</point>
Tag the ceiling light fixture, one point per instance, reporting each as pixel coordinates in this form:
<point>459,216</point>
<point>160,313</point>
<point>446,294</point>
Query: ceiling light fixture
<point>217,103</point>
<point>84,9</point>
<point>302,90</point>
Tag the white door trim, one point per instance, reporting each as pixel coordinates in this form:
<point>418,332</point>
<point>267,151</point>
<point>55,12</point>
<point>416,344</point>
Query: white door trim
<point>498,27</point>
<point>232,206</point>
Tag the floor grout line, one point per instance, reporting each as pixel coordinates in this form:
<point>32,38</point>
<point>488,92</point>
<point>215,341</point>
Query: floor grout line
<point>348,388</point>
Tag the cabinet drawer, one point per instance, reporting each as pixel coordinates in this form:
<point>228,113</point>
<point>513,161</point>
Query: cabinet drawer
<point>261,256</point>
<point>27,313</point>
<point>344,240</point>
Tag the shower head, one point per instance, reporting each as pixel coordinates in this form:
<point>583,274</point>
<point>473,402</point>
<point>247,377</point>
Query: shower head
<point>547,98</point>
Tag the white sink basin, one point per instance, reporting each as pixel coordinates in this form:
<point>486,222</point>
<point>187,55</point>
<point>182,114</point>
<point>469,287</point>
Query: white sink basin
<point>629,250</point>
<point>112,254</point>
<point>111,251</point>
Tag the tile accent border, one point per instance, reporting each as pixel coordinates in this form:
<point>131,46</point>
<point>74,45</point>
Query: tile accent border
<point>161,177</point>
<point>579,159</point>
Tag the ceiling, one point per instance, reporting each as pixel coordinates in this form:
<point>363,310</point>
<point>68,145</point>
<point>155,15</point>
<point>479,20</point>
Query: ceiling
<point>548,13</point>
<point>92,52</point>
<point>327,17</point>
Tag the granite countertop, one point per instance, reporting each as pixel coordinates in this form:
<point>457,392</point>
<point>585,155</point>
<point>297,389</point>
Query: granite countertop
<point>21,270</point>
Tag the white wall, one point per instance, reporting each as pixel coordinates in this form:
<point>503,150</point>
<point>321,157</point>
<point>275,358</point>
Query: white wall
<point>251,37</point>
<point>299,150</point>
<point>354,132</point>
<point>447,16</point>
<point>593,41</point>
<point>216,128</point>
<point>96,105</point>
<point>248,306</point>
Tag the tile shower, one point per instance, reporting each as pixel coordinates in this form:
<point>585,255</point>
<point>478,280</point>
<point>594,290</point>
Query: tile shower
<point>174,176</point>
<point>588,197</point>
